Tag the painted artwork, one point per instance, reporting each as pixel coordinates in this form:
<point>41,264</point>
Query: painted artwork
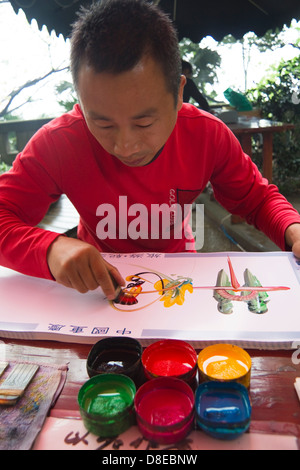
<point>252,292</point>
<point>162,287</point>
<point>172,290</point>
<point>250,299</point>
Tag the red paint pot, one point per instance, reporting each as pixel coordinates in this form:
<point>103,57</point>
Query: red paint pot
<point>170,358</point>
<point>165,410</point>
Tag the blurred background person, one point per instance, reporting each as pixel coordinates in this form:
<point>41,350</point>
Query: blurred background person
<point>191,90</point>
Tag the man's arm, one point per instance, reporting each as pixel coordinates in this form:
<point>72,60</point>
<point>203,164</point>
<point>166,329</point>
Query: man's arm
<point>292,238</point>
<point>241,189</point>
<point>25,195</point>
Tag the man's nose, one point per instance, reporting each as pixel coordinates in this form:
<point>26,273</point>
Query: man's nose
<point>126,143</point>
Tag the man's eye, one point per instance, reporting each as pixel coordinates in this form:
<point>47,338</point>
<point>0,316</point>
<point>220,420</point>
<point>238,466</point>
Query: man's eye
<point>145,125</point>
<point>104,126</point>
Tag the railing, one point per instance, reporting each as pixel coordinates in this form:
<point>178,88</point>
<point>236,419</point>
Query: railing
<point>14,135</point>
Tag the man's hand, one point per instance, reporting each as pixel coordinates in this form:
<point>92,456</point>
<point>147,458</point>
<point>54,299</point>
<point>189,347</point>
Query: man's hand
<point>79,265</point>
<point>292,238</point>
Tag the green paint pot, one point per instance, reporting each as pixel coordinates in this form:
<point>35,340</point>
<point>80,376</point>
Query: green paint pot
<point>106,404</point>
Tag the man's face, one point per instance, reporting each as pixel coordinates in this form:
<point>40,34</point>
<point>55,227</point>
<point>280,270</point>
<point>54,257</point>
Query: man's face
<point>131,114</point>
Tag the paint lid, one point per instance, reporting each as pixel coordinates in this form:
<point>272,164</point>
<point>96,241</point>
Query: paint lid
<point>224,362</point>
<point>116,356</point>
<point>223,410</point>
<point>170,358</point>
<point>106,404</point>
<point>165,410</point>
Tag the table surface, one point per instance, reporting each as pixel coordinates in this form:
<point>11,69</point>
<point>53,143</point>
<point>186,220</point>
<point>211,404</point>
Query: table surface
<point>252,124</point>
<point>276,407</point>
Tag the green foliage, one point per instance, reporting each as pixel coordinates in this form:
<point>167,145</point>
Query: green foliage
<point>9,117</point>
<point>67,96</point>
<point>4,167</point>
<point>204,61</point>
<point>250,43</point>
<point>278,98</point>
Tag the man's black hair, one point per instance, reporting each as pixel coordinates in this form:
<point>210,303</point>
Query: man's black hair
<point>113,36</point>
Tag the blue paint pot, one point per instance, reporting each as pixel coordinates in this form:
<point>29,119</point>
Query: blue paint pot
<point>223,410</point>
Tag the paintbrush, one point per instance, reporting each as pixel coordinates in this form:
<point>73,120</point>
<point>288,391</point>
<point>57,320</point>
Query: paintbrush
<point>118,289</point>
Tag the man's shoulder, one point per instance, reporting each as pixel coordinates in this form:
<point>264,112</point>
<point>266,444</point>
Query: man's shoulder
<point>74,117</point>
<point>189,111</point>
<point>191,115</point>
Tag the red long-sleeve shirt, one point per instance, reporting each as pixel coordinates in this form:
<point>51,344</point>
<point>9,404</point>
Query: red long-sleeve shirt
<point>64,158</point>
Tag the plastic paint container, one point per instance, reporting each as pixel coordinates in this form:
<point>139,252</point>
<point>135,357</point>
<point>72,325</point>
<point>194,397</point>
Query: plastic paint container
<point>165,410</point>
<point>106,404</point>
<point>226,363</point>
<point>116,356</point>
<point>170,358</point>
<point>223,410</point>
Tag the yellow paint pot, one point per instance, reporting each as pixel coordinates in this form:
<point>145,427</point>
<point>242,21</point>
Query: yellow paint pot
<point>224,363</point>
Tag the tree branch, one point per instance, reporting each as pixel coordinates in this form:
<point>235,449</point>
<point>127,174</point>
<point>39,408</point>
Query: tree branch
<point>12,95</point>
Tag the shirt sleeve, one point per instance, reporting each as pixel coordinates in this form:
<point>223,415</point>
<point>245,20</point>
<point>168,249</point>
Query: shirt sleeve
<point>26,192</point>
<point>240,188</point>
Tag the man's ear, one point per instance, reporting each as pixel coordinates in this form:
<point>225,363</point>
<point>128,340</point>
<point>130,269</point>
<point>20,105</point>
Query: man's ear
<point>180,92</point>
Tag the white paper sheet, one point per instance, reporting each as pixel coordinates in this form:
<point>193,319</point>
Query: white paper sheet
<point>39,309</point>
<point>68,434</point>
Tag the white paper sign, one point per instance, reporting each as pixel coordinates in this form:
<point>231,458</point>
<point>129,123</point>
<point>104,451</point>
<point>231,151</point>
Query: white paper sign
<point>167,296</point>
